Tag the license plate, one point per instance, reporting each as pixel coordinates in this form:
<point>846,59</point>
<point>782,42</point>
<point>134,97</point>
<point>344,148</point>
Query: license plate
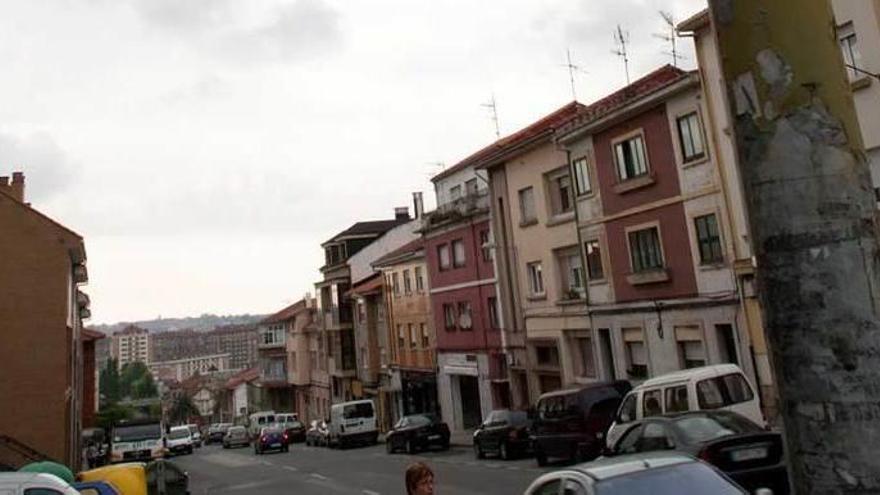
<point>434,437</point>
<point>748,454</point>
<point>275,445</point>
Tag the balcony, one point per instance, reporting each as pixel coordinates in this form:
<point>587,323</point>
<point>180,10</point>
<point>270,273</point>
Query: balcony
<point>273,372</point>
<point>458,209</point>
<point>416,358</point>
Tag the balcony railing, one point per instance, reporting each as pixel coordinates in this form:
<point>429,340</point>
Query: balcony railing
<point>458,208</point>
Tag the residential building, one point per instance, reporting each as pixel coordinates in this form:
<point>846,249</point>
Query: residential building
<point>655,234</point>
<point>42,267</point>
<point>239,341</point>
<point>244,395</point>
<point>273,357</point>
<point>472,377</point>
<point>183,369</point>
<point>90,373</point>
<point>411,336</point>
<point>373,355</point>
<point>539,268</point>
<point>334,308</point>
<point>102,352</point>
<point>858,32</point>
<point>129,345</point>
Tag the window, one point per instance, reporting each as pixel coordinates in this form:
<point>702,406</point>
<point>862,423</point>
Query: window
<point>691,353</point>
<point>582,176</point>
<point>560,192</point>
<point>636,355</point>
<point>449,316</point>
<point>627,410</point>
<point>630,158</point>
<point>407,283</point>
<point>444,257</point>
<point>536,279</point>
<point>547,355</point>
<point>470,187</point>
<point>395,284</point>
<point>420,280</point>
<point>644,249</point>
<point>594,260</point>
<point>849,45</point>
<point>484,245</point>
<point>494,322</point>
<point>455,192</point>
<point>723,391</point>
<point>527,205</point>
<point>651,401</point>
<point>690,137</point>
<point>727,343</point>
<point>708,239</point>
<point>426,341</point>
<point>676,399</point>
<point>465,318</point>
<point>587,361</point>
<point>458,253</point>
<point>413,337</point>
<point>572,271</point>
<point>401,338</point>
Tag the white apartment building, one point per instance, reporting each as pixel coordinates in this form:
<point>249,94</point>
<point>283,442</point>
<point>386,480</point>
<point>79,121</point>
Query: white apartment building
<point>129,345</point>
<point>181,369</point>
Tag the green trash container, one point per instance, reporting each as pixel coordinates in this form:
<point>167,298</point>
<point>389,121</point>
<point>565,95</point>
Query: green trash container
<point>49,467</point>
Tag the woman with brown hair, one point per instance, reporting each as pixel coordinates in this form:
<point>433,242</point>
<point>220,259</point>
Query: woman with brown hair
<point>419,479</point>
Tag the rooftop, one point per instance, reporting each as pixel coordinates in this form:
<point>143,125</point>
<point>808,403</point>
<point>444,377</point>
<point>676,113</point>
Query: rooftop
<point>401,253</point>
<point>368,228</point>
<point>286,313</point>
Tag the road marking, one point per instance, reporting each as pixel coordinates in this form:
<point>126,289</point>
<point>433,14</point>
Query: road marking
<point>370,492</point>
<point>266,463</point>
<point>319,476</point>
<point>291,468</point>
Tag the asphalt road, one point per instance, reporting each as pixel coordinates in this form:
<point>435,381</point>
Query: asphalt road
<point>362,471</point>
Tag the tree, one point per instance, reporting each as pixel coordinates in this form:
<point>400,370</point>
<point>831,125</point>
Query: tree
<point>111,414</point>
<point>182,408</point>
<point>136,382</point>
<point>109,382</point>
<point>813,227</point>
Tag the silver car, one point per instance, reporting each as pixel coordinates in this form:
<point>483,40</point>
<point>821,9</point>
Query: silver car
<point>639,474</point>
<point>236,436</point>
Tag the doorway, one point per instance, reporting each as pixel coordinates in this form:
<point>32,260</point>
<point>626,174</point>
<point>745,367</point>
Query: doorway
<point>607,354</point>
<point>469,389</point>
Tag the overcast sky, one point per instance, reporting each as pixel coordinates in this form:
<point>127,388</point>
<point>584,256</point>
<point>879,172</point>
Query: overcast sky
<point>205,148</point>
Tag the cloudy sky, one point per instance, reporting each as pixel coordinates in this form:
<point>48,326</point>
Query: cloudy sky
<point>205,148</point>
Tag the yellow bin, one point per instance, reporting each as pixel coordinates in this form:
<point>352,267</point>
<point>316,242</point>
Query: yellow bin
<point>129,478</point>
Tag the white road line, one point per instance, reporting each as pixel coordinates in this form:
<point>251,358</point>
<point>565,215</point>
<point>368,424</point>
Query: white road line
<point>291,468</point>
<point>266,463</point>
<point>370,492</point>
<point>319,476</point>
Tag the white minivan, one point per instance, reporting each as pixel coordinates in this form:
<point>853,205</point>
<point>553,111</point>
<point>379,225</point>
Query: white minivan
<point>351,423</point>
<point>722,386</point>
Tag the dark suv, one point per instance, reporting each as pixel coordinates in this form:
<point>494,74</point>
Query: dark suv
<point>571,424</point>
<point>504,432</point>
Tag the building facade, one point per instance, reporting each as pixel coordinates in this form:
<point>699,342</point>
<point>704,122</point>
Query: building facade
<point>472,375</point>
<point>129,345</point>
<point>300,357</point>
<point>239,341</point>
<point>42,267</point>
<point>182,369</point>
<point>371,335</point>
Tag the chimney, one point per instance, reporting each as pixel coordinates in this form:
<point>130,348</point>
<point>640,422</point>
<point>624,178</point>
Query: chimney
<point>418,205</point>
<point>401,213</point>
<point>16,189</point>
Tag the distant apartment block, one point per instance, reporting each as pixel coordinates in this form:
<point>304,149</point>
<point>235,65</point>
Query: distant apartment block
<point>129,345</point>
<point>239,341</point>
<point>181,369</point>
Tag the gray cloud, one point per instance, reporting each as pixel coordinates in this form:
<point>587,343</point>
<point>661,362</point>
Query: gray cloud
<point>183,14</point>
<point>47,167</point>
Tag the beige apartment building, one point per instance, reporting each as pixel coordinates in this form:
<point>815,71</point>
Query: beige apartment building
<point>540,271</point>
<point>129,345</point>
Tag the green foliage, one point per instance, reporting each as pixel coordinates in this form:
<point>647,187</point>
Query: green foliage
<point>136,382</point>
<point>111,414</point>
<point>182,408</point>
<point>109,385</point>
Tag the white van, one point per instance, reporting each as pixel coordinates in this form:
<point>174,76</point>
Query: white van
<point>258,420</point>
<point>352,422</point>
<point>722,386</point>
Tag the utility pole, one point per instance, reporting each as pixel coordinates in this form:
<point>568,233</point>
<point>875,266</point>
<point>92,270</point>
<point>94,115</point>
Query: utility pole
<point>621,40</point>
<point>813,227</point>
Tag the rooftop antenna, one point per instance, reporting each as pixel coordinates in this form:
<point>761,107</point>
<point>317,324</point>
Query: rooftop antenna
<point>571,70</point>
<point>670,38</point>
<point>435,168</point>
<point>494,109</point>
<point>621,39</point>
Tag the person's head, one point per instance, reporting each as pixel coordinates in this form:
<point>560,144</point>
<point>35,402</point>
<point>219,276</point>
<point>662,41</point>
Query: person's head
<point>419,479</point>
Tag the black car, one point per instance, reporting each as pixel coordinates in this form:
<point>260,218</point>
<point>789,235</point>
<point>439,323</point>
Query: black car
<point>750,455</point>
<point>271,438</point>
<point>417,432</point>
<point>317,434</point>
<point>504,432</point>
<point>571,424</point>
<point>294,431</point>
<point>216,433</point>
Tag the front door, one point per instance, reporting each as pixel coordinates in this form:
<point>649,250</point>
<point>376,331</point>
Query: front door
<point>470,401</point>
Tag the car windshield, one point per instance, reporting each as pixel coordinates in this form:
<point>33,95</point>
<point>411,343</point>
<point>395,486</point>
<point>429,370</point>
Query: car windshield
<point>702,428</point>
<point>137,432</point>
<point>237,430</point>
<point>693,477</point>
<point>420,420</point>
<point>177,434</point>
<point>295,424</point>
<point>359,410</point>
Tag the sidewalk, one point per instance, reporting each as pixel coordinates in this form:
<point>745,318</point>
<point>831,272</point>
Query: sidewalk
<point>464,438</point>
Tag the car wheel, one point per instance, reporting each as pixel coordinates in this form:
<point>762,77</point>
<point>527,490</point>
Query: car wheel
<point>410,447</point>
<point>478,451</point>
<point>502,451</point>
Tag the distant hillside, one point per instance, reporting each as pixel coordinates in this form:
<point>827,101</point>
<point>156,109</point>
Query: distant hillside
<point>200,323</point>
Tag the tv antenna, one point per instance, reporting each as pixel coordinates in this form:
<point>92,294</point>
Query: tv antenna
<point>435,168</point>
<point>670,38</point>
<point>572,68</point>
<point>494,115</point>
<point>621,39</point>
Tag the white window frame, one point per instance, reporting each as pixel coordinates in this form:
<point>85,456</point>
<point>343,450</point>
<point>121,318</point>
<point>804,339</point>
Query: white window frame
<point>447,249</point>
<point>617,152</point>
<point>691,118</point>
<point>456,262</point>
<point>848,41</point>
<point>535,274</point>
<point>582,180</point>
<point>638,228</point>
<point>553,181</point>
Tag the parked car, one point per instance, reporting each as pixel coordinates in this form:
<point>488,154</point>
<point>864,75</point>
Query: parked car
<point>258,420</point>
<point>236,436</point>
<point>352,422</point>
<point>317,434</point>
<point>504,432</point>
<point>571,424</point>
<point>294,431</point>
<point>417,432</point>
<point>655,473</point>
<point>179,440</point>
<point>722,386</point>
<point>270,438</point>
<point>196,435</point>
<point>750,455</point>
<point>18,483</point>
<point>216,433</point>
